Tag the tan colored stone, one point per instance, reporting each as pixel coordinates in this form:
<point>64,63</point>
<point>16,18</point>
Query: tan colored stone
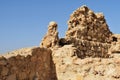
<point>3,61</point>
<point>38,65</point>
<point>22,76</point>
<point>4,71</point>
<point>79,77</point>
<point>115,48</point>
<point>69,58</point>
<point>115,45</point>
<point>84,21</point>
<point>11,77</point>
<point>51,38</point>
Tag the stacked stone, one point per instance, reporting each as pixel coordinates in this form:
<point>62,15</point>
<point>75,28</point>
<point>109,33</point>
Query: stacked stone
<point>115,45</point>
<point>87,48</point>
<point>37,66</point>
<point>89,32</point>
<point>87,25</point>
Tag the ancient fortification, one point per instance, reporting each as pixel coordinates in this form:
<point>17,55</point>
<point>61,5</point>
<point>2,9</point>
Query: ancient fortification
<point>89,51</point>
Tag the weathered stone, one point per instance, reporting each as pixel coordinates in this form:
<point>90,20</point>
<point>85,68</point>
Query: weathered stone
<point>3,61</point>
<point>91,26</point>
<point>51,38</point>
<point>11,77</point>
<point>89,33</point>
<point>4,71</point>
<point>87,36</point>
<point>115,45</point>
<point>37,66</point>
<point>82,55</point>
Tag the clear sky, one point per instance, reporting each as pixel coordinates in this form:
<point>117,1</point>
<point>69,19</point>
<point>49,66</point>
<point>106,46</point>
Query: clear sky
<point>23,23</point>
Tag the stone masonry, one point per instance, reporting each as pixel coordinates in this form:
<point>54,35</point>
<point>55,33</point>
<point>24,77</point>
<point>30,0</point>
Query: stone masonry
<point>89,32</point>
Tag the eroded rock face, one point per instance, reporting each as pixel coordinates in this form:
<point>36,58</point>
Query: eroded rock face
<point>86,25</point>
<point>51,38</point>
<point>34,65</point>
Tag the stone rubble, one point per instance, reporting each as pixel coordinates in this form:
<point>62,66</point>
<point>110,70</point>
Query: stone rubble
<point>86,25</point>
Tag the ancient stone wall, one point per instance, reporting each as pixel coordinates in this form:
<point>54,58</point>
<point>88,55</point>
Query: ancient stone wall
<point>87,48</point>
<point>70,67</point>
<point>89,33</point>
<point>115,45</point>
<point>37,66</point>
<point>68,58</point>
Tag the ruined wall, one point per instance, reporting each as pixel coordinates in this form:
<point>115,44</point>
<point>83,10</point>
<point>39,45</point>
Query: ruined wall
<point>37,66</point>
<point>86,25</point>
<point>115,45</point>
<point>68,58</point>
<point>89,33</point>
<point>87,48</point>
<point>70,67</point>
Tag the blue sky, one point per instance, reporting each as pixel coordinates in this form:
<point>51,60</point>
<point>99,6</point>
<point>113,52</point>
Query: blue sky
<point>23,23</point>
